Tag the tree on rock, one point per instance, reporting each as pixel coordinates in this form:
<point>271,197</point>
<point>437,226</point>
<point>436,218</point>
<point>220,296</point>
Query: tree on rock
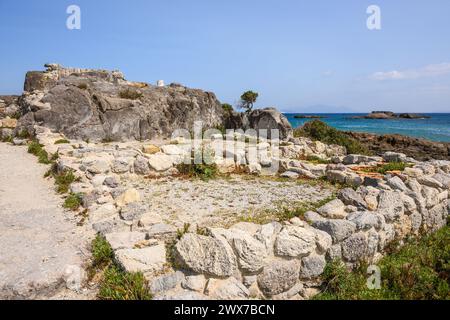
<point>248,99</point>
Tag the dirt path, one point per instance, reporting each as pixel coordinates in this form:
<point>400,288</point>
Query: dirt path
<point>38,239</point>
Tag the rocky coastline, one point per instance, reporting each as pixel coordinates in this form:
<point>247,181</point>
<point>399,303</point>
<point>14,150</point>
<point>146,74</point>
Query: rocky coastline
<point>193,239</point>
<point>420,149</point>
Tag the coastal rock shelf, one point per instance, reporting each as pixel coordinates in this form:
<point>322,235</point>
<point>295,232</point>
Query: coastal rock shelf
<point>134,196</point>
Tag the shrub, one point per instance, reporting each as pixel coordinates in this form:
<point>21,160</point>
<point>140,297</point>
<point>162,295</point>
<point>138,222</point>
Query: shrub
<point>317,160</point>
<point>35,148</point>
<point>73,201</point>
<point>62,141</point>
<point>227,108</point>
<point>102,253</point>
<point>202,171</point>
<point>82,86</point>
<point>130,94</point>
<point>392,166</point>
<point>419,270</point>
<point>318,130</point>
<point>117,284</point>
<point>63,181</point>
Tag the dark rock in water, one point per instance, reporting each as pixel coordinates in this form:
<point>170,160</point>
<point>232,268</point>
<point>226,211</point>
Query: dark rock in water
<point>391,115</point>
<point>419,149</point>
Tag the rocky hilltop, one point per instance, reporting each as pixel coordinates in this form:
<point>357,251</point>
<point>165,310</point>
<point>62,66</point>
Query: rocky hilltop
<point>100,105</point>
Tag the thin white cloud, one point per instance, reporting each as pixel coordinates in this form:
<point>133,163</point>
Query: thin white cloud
<point>432,70</point>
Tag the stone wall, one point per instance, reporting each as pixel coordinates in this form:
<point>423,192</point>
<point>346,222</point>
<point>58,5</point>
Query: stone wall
<point>278,260</point>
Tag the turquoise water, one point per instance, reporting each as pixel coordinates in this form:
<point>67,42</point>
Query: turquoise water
<point>437,128</point>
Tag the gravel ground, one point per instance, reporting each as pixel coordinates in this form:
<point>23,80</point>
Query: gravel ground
<point>38,239</point>
<point>221,202</point>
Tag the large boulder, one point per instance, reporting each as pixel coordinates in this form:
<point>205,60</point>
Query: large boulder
<point>261,119</point>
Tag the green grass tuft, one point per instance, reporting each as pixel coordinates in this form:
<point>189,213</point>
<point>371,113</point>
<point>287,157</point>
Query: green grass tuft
<point>202,171</point>
<point>73,201</point>
<point>115,284</point>
<point>102,253</point>
<point>63,180</point>
<point>119,285</point>
<point>62,141</point>
<point>37,149</point>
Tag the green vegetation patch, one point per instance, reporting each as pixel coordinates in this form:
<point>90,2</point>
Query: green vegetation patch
<point>317,160</point>
<point>319,130</point>
<point>130,94</point>
<point>37,149</point>
<point>419,270</point>
<point>62,141</point>
<point>301,208</point>
<point>119,285</point>
<point>73,201</point>
<point>63,180</point>
<point>115,283</point>
<point>202,171</point>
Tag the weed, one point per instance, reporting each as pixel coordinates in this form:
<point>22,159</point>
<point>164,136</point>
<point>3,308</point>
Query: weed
<point>73,201</point>
<point>63,180</point>
<point>62,141</point>
<point>37,149</point>
<point>130,94</point>
<point>202,171</point>
<point>117,284</point>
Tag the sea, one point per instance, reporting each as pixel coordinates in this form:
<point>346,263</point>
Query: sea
<point>437,128</point>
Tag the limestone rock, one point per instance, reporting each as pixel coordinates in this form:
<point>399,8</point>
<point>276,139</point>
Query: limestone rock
<point>206,255</point>
<point>147,260</point>
<point>350,197</point>
<point>124,240</point>
<point>333,210</point>
<point>390,204</point>
<point>151,149</point>
<point>278,277</point>
<point>160,162</point>
<point>354,248</point>
<point>337,229</point>
<point>166,282</point>
<point>312,266</point>
<point>129,196</point>
<point>295,242</point>
<point>228,289</point>
<point>194,283</point>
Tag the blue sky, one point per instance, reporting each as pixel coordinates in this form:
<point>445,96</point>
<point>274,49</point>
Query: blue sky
<point>301,56</point>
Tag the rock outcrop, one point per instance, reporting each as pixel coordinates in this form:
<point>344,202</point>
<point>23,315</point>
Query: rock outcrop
<point>420,149</point>
<point>100,105</point>
<point>261,119</point>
